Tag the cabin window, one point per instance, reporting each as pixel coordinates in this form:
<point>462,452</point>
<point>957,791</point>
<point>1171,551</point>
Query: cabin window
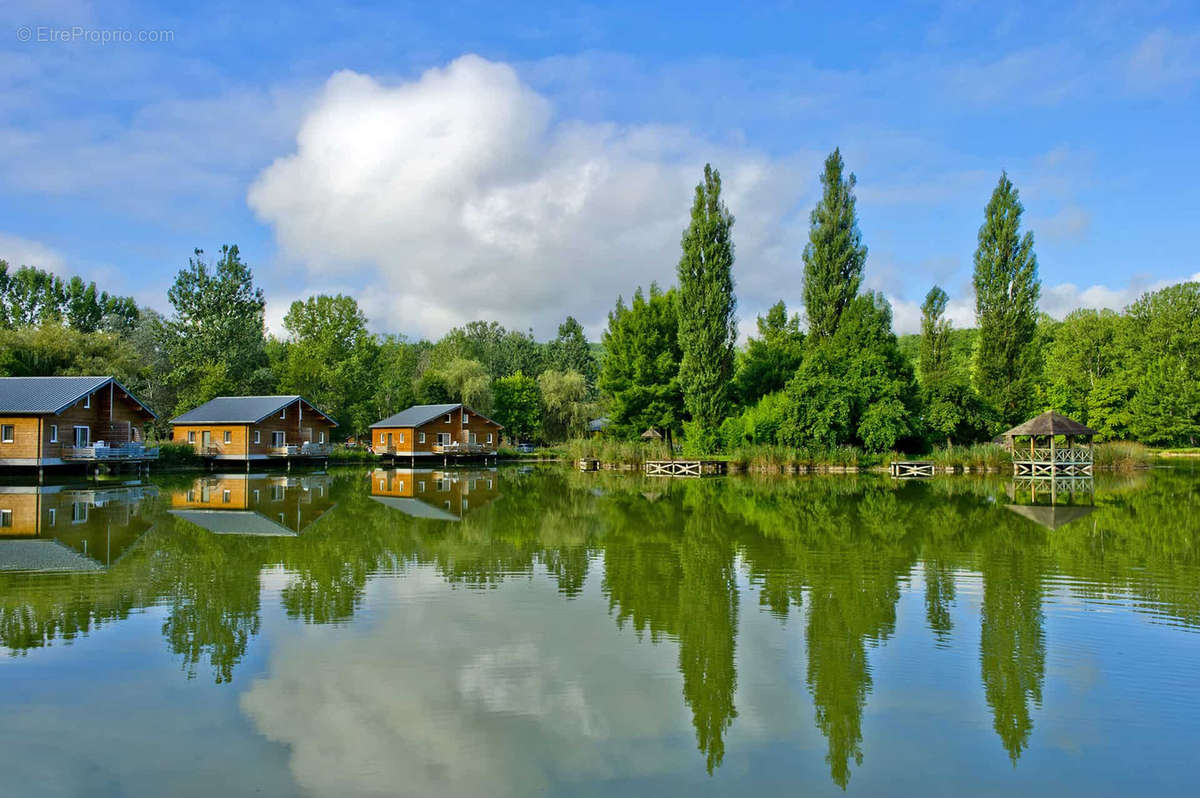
<point>473,439</point>
<point>79,513</point>
<point>53,515</point>
<point>87,401</point>
<point>191,436</point>
<point>489,437</point>
<point>277,493</point>
<point>421,486</point>
<point>258,436</point>
<point>8,433</point>
<point>256,495</point>
<point>226,496</point>
<point>420,437</point>
<point>381,485</point>
<point>278,439</point>
<point>382,440</point>
<point>449,418</point>
<point>83,437</point>
<point>5,518</point>
<point>401,486</point>
<point>466,418</point>
<point>228,436</point>
<point>402,437</point>
<point>283,413</point>
<point>54,433</point>
<point>320,437</point>
<point>465,504</point>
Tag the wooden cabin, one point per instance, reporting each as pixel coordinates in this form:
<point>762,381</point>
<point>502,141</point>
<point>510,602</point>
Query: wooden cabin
<point>435,494</point>
<point>254,504</point>
<point>50,421</point>
<point>255,428</point>
<point>436,431</point>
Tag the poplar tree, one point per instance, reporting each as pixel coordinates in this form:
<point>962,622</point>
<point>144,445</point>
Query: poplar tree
<point>834,256</point>
<point>707,328</point>
<point>1006,297</point>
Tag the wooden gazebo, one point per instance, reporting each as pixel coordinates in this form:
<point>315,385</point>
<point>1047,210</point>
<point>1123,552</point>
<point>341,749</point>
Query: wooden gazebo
<point>1043,456</point>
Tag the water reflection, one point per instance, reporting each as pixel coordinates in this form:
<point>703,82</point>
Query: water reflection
<point>676,564</point>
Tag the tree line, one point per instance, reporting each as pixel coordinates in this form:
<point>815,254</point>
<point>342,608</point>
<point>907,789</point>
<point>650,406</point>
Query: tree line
<point>669,359</point>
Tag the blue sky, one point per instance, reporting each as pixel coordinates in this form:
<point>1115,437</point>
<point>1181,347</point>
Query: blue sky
<point>444,162</point>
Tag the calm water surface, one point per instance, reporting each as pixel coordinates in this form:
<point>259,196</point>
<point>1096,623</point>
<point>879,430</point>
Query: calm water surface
<point>518,631</point>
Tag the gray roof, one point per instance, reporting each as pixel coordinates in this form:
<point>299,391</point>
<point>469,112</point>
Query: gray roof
<point>416,508</point>
<point>1050,423</point>
<point>241,410</point>
<point>234,522</point>
<point>43,554</point>
<point>598,424</point>
<point>417,415</point>
<point>44,395</point>
<point>1051,517</point>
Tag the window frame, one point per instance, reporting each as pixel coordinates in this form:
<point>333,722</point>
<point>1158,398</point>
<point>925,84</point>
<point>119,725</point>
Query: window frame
<point>191,436</point>
<point>420,437</point>
<point>87,402</point>
<point>6,518</point>
<point>258,436</point>
<point>8,433</point>
<point>53,433</point>
<point>281,436</point>
<point>228,437</point>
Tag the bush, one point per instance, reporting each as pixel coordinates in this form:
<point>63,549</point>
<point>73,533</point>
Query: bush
<point>1121,455</point>
<point>174,453</point>
<point>344,454</point>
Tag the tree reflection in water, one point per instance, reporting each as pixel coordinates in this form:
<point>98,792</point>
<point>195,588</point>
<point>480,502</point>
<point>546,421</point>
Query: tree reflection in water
<point>674,561</point>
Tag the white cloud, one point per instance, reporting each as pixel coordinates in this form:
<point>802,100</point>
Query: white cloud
<point>1164,61</point>
<point>25,252</point>
<point>462,195</point>
<point>1070,223</point>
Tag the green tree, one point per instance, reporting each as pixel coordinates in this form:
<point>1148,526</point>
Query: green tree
<point>640,370</point>
<point>395,382</point>
<point>853,387</point>
<point>570,351</point>
<point>331,359</point>
<point>771,359</point>
<point>1006,296</point>
<point>1080,364</point>
<point>518,406</point>
<point>29,296</point>
<point>431,389</point>
<point>707,327</point>
<point>565,406</point>
<point>53,350</point>
<point>951,409</point>
<point>467,381</point>
<point>218,319</point>
<point>835,256</point>
<point>1164,361</point>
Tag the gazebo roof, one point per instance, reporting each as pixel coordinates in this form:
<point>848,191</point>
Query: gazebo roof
<point>652,434</point>
<point>1050,423</point>
<point>1051,517</point>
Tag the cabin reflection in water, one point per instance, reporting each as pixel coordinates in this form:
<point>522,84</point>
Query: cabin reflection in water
<point>64,528</point>
<point>254,504</point>
<point>1052,502</point>
<point>438,495</point>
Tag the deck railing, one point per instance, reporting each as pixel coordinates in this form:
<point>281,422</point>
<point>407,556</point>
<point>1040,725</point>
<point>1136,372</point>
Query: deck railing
<point>127,451</point>
<point>302,450</point>
<point>457,447</point>
<point>1075,456</point>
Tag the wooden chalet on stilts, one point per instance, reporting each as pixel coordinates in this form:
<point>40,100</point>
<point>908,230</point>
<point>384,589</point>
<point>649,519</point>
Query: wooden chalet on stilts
<point>256,428</point>
<point>424,433</point>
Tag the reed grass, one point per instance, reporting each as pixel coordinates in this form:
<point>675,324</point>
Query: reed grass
<point>1121,456</point>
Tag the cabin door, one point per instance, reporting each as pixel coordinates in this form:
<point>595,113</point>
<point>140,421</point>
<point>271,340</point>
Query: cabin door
<point>389,445</point>
<point>83,437</point>
<point>206,439</point>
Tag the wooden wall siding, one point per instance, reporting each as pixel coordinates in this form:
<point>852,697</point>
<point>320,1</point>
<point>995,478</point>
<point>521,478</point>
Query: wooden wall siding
<point>436,487</point>
<point>121,426</point>
<point>297,429</point>
<point>412,444</point>
<point>25,509</point>
<point>52,514</point>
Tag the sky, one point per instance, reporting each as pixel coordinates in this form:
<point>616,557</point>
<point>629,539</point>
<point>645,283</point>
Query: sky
<point>443,162</point>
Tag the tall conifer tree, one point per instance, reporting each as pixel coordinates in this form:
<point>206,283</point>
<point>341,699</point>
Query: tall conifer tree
<point>707,328</point>
<point>1006,297</point>
<point>835,255</point>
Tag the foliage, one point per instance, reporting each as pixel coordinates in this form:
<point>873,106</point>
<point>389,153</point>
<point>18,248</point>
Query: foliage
<point>1082,368</point>
<point>431,389</point>
<point>518,406</point>
<point>395,383</point>
<point>565,406</point>
<point>178,455</point>
<point>55,350</point>
<point>499,351</point>
<point>835,255</point>
<point>1006,296</point>
<point>330,359</point>
<point>770,360</point>
<point>853,387</point>
<point>1163,351</point>
<point>31,296</point>
<point>707,327</point>
<point>570,351</point>
<point>468,382</point>
<point>951,408</point>
<point>216,340</point>
<point>640,369</point>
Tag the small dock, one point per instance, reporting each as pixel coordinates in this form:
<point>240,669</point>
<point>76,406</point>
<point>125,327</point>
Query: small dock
<point>912,469</point>
<point>685,468</point>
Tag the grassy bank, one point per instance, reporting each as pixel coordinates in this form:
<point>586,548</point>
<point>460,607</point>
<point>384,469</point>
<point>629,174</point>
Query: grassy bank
<point>766,459</point>
<point>342,455</point>
<point>1121,456</point>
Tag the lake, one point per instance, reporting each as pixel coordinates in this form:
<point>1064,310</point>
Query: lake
<point>521,631</point>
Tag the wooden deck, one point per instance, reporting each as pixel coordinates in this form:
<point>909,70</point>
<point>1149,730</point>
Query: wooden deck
<point>912,469</point>
<point>684,468</point>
